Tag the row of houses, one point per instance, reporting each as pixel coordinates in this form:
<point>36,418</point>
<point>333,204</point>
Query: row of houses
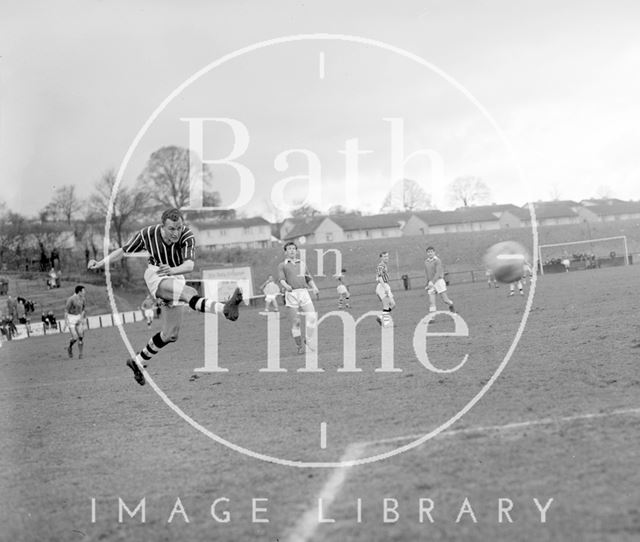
<point>259,233</point>
<point>322,229</point>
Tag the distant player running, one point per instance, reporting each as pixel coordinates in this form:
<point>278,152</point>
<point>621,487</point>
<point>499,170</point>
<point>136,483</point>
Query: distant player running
<point>383,290</point>
<point>271,292</point>
<point>74,315</point>
<point>491,279</point>
<point>295,279</point>
<point>513,285</point>
<point>171,248</point>
<point>343,292</point>
<point>435,280</point>
<point>148,307</point>
<point>526,272</point>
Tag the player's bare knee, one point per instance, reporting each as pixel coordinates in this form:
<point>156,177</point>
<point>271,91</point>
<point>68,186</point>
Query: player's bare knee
<point>311,319</point>
<point>187,293</point>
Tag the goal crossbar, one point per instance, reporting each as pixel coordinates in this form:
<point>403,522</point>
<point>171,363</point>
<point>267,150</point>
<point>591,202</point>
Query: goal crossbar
<point>584,241</point>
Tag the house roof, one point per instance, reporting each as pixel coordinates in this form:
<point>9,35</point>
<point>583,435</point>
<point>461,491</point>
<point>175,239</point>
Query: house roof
<point>348,222</point>
<point>304,227</point>
<point>427,216</point>
<point>557,210</point>
<point>498,209</point>
<point>226,224</point>
<point>463,215</point>
<point>613,209</point>
<point>371,222</point>
<point>555,203</point>
<point>601,201</point>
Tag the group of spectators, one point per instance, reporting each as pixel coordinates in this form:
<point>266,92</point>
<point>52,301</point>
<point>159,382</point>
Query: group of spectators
<point>589,260</point>
<point>49,262</point>
<point>49,320</point>
<point>17,310</point>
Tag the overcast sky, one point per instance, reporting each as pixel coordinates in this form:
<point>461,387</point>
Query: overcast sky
<point>79,79</point>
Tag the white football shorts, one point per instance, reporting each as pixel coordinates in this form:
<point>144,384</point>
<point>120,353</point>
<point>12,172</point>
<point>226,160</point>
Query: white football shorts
<point>153,280</point>
<point>342,289</point>
<point>380,291</point>
<point>439,287</point>
<point>74,319</point>
<point>297,298</point>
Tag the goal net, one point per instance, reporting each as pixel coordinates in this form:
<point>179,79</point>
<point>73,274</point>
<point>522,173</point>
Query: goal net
<point>587,254</point>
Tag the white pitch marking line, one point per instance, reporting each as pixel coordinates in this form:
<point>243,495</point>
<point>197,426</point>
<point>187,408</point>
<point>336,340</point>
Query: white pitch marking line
<point>323,435</point>
<point>321,67</point>
<point>508,426</point>
<point>308,523</point>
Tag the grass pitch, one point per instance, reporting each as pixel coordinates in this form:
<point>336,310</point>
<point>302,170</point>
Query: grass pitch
<point>79,435</point>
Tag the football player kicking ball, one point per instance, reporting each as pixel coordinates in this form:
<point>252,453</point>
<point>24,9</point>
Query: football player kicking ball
<point>383,290</point>
<point>295,278</point>
<point>171,248</point>
<point>74,315</point>
<point>435,280</point>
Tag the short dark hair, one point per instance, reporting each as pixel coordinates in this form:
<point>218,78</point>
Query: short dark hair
<point>430,248</point>
<point>383,253</point>
<point>79,288</point>
<point>172,214</point>
<point>289,244</point>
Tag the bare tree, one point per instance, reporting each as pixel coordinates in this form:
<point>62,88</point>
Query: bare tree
<point>406,195</point>
<point>127,204</point>
<point>65,204</point>
<point>342,210</point>
<point>305,210</point>
<point>12,233</point>
<point>49,213</point>
<point>468,191</point>
<point>167,178</point>
<point>555,193</point>
<point>604,192</point>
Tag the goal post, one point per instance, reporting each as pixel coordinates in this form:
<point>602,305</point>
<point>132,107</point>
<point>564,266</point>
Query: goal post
<point>600,249</point>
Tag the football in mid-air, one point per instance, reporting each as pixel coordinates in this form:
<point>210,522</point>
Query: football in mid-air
<point>506,260</point>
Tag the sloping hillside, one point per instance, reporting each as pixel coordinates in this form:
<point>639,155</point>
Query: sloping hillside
<point>459,251</point>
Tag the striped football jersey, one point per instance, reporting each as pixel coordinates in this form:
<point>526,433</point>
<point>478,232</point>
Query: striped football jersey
<point>160,252</point>
<point>382,272</point>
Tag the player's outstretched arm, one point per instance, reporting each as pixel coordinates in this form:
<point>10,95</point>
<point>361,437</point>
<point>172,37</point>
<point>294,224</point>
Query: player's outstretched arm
<point>113,257</point>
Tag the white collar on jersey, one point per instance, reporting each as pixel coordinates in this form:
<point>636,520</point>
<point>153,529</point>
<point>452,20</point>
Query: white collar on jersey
<point>289,260</point>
